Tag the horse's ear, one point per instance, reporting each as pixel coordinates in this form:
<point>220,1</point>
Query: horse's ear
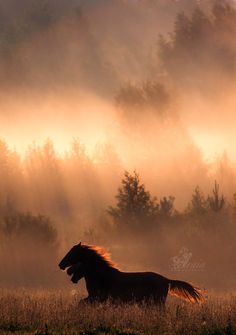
<point>79,244</point>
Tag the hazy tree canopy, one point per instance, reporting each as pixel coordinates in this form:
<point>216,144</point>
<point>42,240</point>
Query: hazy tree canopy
<point>45,177</point>
<point>72,187</point>
<point>167,206</point>
<point>28,228</point>
<point>136,101</point>
<point>201,49</point>
<point>200,204</point>
<point>76,53</point>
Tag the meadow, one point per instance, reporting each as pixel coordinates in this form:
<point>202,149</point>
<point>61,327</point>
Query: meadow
<point>42,312</point>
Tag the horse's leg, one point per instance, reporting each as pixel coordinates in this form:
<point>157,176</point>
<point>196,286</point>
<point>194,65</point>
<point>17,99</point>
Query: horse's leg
<point>160,297</point>
<point>162,302</point>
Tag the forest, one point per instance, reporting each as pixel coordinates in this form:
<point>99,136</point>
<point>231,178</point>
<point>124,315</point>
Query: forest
<point>48,201</point>
<point>146,178</point>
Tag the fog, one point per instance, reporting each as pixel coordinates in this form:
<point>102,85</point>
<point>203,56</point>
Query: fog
<point>92,89</point>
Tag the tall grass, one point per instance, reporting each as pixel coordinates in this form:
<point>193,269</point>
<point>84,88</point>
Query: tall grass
<point>59,312</point>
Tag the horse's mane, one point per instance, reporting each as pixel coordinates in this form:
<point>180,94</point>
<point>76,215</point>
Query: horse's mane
<point>99,255</point>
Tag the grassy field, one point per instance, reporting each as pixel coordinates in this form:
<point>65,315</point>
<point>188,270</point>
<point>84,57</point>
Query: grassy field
<point>43,313</point>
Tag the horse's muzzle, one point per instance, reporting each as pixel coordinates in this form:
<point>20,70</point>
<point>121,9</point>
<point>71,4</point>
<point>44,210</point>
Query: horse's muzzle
<point>62,267</point>
<point>74,281</point>
<point>69,271</point>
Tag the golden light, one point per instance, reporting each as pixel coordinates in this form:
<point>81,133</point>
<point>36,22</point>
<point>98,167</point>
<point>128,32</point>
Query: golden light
<point>61,118</point>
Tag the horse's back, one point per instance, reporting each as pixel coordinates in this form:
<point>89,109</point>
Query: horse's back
<point>139,286</point>
<point>143,277</point>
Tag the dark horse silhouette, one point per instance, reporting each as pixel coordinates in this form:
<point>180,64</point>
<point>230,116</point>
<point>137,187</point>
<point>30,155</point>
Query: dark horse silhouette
<point>76,271</point>
<point>105,281</point>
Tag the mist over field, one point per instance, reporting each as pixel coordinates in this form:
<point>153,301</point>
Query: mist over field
<point>91,89</point>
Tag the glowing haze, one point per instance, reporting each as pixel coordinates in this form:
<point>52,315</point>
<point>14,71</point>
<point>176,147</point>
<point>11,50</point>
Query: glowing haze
<point>118,85</point>
<point>64,72</point>
<point>72,69</point>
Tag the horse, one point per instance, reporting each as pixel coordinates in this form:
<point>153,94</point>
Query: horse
<point>76,272</point>
<point>105,281</point>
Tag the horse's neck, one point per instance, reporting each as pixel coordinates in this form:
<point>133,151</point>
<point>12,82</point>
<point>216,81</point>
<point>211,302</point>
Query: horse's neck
<point>99,270</point>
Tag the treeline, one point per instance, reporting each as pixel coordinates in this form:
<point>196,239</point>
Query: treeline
<point>77,55</point>
<point>79,187</point>
<point>198,56</point>
<point>200,52</point>
<point>44,182</point>
<point>48,201</point>
<point>137,210</point>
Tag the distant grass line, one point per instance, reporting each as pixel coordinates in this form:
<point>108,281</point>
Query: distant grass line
<point>41,312</point>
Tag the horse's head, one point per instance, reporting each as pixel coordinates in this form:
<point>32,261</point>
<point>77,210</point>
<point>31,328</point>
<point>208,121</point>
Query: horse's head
<point>72,257</point>
<point>77,272</point>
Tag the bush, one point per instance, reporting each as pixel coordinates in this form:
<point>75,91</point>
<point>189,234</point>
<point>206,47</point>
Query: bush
<point>28,250</point>
<point>27,226</point>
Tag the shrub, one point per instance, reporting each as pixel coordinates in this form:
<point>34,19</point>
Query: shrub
<point>29,227</point>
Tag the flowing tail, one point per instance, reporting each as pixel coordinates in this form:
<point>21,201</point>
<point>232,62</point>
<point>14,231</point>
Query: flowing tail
<point>185,291</point>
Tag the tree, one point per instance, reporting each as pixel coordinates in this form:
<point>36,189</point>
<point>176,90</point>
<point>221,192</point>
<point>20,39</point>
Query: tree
<point>198,205</point>
<point>167,206</point>
<point>181,37</point>
<point>201,28</point>
<point>129,99</point>
<point>216,201</point>
<point>187,55</point>
<point>151,97</point>
<point>135,207</point>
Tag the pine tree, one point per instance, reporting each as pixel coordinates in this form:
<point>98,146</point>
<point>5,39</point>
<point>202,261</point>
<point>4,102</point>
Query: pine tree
<point>216,201</point>
<point>198,205</point>
<point>135,206</point>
